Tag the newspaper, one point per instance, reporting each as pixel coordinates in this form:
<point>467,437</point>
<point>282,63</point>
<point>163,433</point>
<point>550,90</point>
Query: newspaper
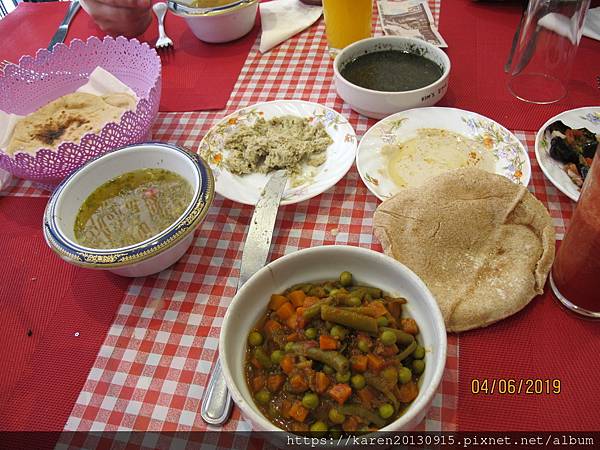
<point>410,18</point>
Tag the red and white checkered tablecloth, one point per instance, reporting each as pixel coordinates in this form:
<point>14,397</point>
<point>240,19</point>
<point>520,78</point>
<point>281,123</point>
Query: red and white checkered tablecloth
<point>151,370</point>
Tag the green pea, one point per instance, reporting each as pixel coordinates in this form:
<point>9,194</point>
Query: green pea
<point>328,325</point>
<point>382,321</point>
<point>388,337</point>
<point>358,381</point>
<point>288,346</point>
<point>334,292</point>
<point>419,352</point>
<point>336,417</point>
<point>418,366</point>
<point>363,345</point>
<point>310,400</point>
<point>390,374</point>
<point>386,411</point>
<point>338,331</point>
<point>255,339</point>
<point>345,278</point>
<point>310,333</point>
<point>404,375</point>
<point>318,427</point>
<point>277,356</point>
<point>263,396</point>
<point>342,377</point>
<point>328,370</point>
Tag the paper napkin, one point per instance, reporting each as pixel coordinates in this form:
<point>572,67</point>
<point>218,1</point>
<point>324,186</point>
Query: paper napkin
<point>591,27</point>
<point>282,19</point>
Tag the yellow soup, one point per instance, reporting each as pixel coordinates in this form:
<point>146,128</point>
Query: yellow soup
<point>131,208</point>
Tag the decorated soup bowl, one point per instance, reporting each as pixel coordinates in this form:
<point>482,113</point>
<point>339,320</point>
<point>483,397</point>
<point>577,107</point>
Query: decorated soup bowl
<point>318,264</point>
<point>146,257</point>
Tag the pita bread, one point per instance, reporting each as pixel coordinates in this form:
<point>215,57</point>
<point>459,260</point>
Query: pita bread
<point>67,119</point>
<point>483,245</point>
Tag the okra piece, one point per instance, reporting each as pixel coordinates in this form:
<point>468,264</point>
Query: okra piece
<point>349,318</point>
<point>330,358</point>
<point>315,310</point>
<point>407,351</point>
<point>372,291</point>
<point>352,409</point>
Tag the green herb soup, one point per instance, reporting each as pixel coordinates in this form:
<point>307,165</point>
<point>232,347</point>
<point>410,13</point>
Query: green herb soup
<point>131,208</point>
<point>391,71</point>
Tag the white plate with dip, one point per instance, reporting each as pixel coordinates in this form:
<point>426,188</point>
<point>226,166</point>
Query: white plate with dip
<point>589,118</point>
<point>391,156</point>
<point>315,180</point>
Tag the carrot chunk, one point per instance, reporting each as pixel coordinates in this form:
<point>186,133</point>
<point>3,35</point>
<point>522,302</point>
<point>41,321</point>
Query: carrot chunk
<point>408,392</point>
<point>359,363</point>
<point>258,383</point>
<point>275,382</point>
<point>287,364</point>
<point>292,321</point>
<point>409,326</point>
<point>285,311</point>
<point>375,363</point>
<point>271,326</point>
<point>327,343</point>
<point>298,412</point>
<point>298,383</point>
<point>297,298</point>
<point>340,393</point>
<point>276,301</point>
<point>321,382</point>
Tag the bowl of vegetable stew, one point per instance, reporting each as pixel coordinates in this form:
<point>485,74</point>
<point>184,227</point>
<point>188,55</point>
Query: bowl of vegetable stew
<point>334,340</point>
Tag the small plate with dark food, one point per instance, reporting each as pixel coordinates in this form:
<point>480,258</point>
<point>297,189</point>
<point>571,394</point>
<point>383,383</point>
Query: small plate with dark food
<point>565,146</point>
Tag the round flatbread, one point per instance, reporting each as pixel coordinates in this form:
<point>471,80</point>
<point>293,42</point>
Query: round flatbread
<point>67,119</point>
<point>483,245</point>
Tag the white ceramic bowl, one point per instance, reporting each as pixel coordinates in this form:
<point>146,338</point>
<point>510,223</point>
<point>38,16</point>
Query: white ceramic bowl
<point>379,104</point>
<point>220,24</point>
<point>144,258</point>
<point>320,264</point>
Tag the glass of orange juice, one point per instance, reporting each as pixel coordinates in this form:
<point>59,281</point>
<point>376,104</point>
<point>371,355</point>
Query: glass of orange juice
<point>347,21</point>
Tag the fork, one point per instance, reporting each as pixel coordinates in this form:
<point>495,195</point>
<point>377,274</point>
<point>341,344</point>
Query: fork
<point>163,41</point>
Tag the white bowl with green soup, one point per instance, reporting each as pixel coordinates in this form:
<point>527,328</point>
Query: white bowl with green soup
<point>132,211</point>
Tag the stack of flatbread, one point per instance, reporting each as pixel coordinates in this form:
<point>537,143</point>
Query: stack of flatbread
<point>483,245</point>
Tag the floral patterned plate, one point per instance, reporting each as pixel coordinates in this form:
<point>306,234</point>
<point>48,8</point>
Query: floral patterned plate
<point>247,188</point>
<point>589,118</point>
<point>510,155</point>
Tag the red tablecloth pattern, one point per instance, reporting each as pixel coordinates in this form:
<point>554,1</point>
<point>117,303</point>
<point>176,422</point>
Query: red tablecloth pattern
<point>151,369</point>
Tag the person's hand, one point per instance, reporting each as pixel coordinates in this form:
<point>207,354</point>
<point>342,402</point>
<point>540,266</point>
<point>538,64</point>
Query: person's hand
<point>120,17</point>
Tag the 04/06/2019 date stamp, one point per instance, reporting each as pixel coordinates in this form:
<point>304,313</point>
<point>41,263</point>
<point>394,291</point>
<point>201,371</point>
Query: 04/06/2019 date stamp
<point>515,386</point>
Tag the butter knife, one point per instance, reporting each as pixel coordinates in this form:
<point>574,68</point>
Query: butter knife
<point>217,403</point>
<point>61,33</point>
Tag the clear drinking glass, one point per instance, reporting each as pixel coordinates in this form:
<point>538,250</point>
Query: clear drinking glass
<point>543,55</point>
<point>347,21</point>
<point>575,277</point>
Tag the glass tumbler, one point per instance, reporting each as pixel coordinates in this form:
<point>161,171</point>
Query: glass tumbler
<point>543,55</point>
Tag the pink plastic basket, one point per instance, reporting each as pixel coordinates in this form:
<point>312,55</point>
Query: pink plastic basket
<point>38,80</point>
